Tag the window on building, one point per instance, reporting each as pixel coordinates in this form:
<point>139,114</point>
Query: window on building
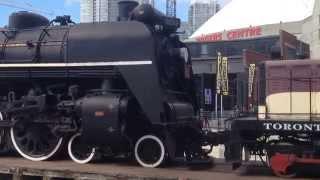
<point>234,48</point>
<point>204,49</point>
<point>194,50</point>
<point>214,48</point>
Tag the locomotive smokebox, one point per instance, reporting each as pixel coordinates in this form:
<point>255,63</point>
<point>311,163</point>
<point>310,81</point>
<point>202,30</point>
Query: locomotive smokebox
<point>125,8</point>
<point>147,14</point>
<point>26,20</point>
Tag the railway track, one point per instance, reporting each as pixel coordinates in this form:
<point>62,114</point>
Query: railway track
<point>13,168</point>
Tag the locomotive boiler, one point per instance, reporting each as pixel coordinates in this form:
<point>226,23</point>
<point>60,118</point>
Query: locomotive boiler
<point>110,89</point>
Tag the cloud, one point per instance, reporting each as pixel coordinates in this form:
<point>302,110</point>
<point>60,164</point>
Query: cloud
<point>71,2</point>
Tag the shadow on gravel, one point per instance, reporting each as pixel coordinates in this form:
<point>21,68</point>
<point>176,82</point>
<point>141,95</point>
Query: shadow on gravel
<point>254,170</point>
<point>177,164</point>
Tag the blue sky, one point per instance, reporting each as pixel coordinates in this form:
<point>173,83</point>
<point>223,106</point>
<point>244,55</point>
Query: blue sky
<point>52,8</point>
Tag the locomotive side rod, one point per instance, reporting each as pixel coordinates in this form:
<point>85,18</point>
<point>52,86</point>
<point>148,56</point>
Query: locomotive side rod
<point>6,124</point>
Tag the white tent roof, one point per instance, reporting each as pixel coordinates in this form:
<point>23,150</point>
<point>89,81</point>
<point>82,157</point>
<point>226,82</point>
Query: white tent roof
<point>244,13</point>
<point>201,1</point>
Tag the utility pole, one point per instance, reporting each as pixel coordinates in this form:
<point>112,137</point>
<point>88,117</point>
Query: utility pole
<point>171,8</point>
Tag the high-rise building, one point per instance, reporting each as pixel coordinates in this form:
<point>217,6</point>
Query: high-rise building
<point>200,11</point>
<point>102,10</point>
<point>184,31</point>
<point>311,31</point>
<point>146,2</point>
<point>98,10</point>
<point>86,11</point>
<point>171,9</point>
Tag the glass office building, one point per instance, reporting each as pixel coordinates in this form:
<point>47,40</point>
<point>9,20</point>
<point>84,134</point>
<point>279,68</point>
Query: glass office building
<point>101,10</point>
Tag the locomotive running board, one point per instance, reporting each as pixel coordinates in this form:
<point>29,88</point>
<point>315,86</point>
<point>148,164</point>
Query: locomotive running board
<point>83,64</point>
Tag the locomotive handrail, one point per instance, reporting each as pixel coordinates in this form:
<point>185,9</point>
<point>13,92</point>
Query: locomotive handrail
<point>32,29</point>
<point>107,90</point>
<point>175,92</point>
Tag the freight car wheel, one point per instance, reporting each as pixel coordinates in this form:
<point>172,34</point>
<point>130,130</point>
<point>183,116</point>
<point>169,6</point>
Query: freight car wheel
<point>78,152</point>
<point>150,151</point>
<point>35,142</point>
<point>286,174</point>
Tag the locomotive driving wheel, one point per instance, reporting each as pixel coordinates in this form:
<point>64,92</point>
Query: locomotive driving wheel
<point>150,151</point>
<point>35,141</point>
<point>79,152</point>
<point>4,139</point>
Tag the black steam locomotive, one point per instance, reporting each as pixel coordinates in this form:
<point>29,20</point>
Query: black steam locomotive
<point>125,88</point>
<point>106,89</point>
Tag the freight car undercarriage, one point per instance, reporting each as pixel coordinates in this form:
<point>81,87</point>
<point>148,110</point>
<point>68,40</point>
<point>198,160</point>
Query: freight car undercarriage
<point>284,146</point>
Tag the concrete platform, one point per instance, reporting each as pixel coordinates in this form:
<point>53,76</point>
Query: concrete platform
<point>14,168</point>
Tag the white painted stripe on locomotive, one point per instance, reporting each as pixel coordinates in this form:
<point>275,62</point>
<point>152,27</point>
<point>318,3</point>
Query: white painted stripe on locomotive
<point>87,64</point>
